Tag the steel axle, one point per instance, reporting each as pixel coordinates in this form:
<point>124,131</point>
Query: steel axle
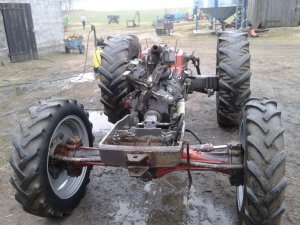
<point>204,157</point>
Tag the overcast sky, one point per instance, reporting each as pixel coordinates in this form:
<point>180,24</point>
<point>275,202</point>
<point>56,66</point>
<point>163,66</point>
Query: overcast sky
<point>111,5</point>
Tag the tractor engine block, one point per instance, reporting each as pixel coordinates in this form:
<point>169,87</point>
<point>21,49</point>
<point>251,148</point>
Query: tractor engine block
<point>157,86</point>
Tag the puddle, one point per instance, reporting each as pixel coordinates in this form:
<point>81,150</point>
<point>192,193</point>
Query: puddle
<point>214,213</point>
<point>83,77</point>
<point>100,122</point>
<point>129,215</point>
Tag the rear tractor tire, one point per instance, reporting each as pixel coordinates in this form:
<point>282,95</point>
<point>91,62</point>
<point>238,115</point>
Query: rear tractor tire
<point>117,53</point>
<point>43,187</point>
<point>260,198</point>
<point>233,70</point>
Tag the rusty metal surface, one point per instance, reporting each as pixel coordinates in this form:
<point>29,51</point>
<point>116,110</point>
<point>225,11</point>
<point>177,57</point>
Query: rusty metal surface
<point>204,157</point>
<point>68,149</point>
<point>115,152</point>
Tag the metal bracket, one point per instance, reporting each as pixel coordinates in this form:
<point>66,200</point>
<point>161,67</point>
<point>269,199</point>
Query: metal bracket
<point>136,158</point>
<point>137,171</point>
<point>203,83</point>
<point>237,176</point>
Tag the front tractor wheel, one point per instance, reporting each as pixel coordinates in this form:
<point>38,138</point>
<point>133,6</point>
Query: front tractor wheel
<point>260,198</point>
<point>46,187</point>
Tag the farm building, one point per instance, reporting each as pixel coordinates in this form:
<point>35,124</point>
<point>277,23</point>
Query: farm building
<point>29,28</point>
<point>67,5</point>
<point>267,13</point>
<point>274,13</point>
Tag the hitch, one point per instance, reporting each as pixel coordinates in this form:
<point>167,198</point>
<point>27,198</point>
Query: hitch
<point>196,62</point>
<point>204,84</point>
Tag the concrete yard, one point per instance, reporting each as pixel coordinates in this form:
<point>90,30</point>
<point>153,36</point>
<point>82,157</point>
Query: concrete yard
<point>114,198</point>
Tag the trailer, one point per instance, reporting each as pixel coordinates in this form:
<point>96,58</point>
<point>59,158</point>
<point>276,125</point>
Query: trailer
<point>113,19</point>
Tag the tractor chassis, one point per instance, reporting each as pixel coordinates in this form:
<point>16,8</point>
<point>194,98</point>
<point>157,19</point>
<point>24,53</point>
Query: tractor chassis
<point>145,157</point>
<point>155,162</point>
<point>54,154</point>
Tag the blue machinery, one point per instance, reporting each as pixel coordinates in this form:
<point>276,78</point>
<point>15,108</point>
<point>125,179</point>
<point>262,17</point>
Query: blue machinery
<point>217,11</point>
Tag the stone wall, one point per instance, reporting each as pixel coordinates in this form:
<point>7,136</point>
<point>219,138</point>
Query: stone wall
<point>3,43</point>
<point>47,23</point>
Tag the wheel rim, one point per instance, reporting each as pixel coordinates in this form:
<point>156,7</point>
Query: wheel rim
<point>63,185</point>
<point>240,190</point>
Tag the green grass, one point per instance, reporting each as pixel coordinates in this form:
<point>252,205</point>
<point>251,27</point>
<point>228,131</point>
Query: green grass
<point>100,18</point>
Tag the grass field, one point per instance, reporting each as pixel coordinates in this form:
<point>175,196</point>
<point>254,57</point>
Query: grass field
<point>100,17</point>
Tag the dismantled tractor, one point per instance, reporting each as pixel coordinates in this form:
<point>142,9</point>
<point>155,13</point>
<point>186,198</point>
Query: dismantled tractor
<point>144,94</point>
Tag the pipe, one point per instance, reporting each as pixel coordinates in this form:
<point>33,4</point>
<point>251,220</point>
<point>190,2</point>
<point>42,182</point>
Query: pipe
<point>208,147</point>
<point>212,166</point>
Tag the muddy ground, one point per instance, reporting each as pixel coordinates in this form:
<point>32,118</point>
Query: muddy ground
<point>113,197</point>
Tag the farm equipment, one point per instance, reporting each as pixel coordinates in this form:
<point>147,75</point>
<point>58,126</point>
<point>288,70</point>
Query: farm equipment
<point>113,19</point>
<point>74,42</point>
<point>163,27</point>
<point>176,17</point>
<point>135,22</point>
<point>144,94</point>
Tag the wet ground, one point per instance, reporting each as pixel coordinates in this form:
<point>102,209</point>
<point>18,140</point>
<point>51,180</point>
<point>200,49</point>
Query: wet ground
<point>113,197</point>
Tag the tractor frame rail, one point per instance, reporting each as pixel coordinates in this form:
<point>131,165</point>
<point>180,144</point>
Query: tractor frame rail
<point>153,164</point>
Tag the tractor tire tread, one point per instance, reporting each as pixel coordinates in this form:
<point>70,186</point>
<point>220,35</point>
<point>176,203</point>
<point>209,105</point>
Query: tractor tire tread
<point>265,181</point>
<point>233,70</point>
<point>118,51</point>
<point>25,163</point>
